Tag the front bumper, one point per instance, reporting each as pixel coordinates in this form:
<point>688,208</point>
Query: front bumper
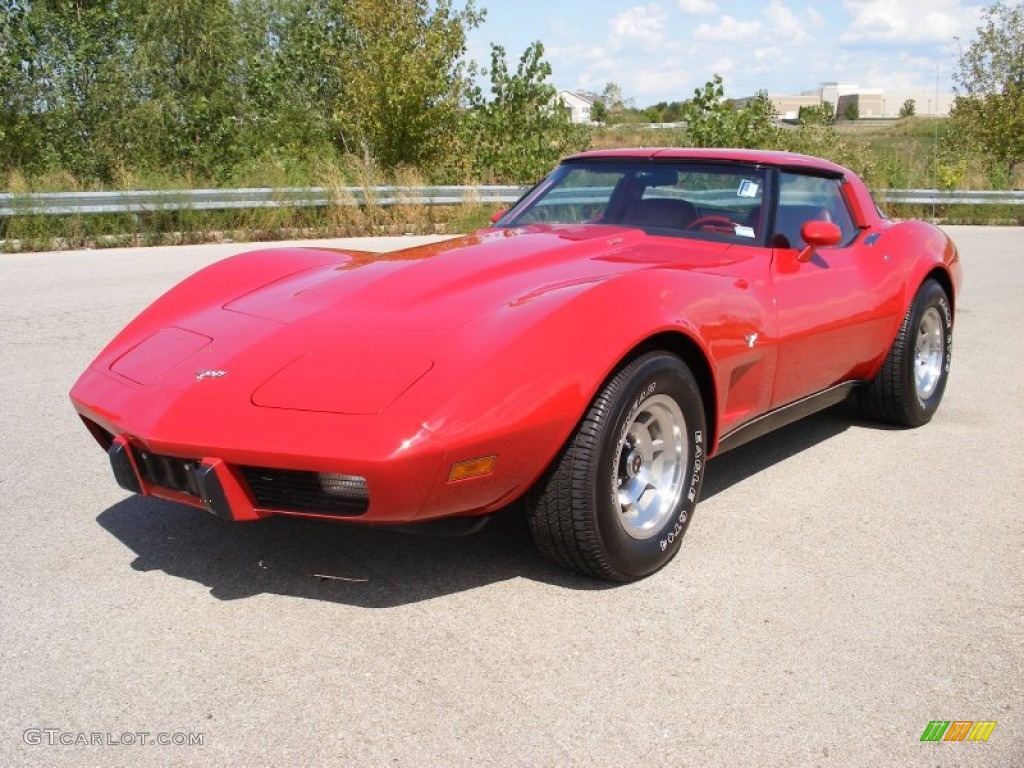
<point>235,493</point>
<point>206,484</point>
<point>241,462</point>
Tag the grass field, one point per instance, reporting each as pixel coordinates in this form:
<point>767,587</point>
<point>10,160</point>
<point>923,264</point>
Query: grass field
<point>900,154</point>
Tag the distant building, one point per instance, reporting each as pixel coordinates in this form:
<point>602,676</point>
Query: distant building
<point>579,106</point>
<point>869,102</point>
<point>926,103</point>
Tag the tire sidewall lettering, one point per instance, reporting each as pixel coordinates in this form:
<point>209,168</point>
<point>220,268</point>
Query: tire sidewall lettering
<point>947,316</point>
<point>647,555</point>
<point>933,296</point>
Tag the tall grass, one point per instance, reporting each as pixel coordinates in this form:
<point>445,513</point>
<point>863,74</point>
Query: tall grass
<point>897,155</point>
<point>410,216</point>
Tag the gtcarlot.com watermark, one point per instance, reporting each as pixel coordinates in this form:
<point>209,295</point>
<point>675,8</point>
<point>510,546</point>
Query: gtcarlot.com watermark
<point>57,737</point>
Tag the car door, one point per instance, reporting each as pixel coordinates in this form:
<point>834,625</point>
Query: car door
<point>835,311</point>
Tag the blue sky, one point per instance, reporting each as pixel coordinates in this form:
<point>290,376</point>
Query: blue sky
<point>663,49</point>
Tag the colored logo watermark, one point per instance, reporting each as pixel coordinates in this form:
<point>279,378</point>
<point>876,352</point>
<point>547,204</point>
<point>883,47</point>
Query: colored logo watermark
<point>958,730</point>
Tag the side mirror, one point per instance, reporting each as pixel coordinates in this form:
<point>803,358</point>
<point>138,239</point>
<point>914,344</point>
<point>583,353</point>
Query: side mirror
<point>818,234</point>
<point>496,216</point>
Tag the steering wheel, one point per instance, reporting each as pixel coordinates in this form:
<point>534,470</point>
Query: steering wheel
<point>719,224</point>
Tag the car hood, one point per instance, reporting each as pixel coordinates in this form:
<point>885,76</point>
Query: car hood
<point>352,335</point>
<point>446,285</point>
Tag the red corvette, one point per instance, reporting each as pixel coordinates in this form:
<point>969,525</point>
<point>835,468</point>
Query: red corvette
<point>634,314</point>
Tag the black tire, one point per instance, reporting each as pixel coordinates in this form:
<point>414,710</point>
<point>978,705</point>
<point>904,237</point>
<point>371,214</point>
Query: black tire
<point>574,512</point>
<point>904,392</point>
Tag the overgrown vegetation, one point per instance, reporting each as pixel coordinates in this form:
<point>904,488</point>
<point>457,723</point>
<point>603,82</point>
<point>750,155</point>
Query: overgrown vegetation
<point>213,91</point>
<point>515,136</point>
<point>989,109</point>
<point>128,94</point>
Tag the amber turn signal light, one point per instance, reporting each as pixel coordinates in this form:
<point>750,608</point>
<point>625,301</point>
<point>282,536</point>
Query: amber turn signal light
<point>465,470</point>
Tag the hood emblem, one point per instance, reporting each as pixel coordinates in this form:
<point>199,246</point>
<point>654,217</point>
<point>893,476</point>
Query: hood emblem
<point>200,375</point>
<point>751,340</point>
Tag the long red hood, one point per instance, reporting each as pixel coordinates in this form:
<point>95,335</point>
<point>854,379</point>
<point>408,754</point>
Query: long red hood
<point>350,332</point>
<point>448,284</point>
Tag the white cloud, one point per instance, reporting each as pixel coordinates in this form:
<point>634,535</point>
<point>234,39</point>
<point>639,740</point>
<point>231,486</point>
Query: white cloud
<point>900,73</point>
<point>562,28</point>
<point>814,17</point>
<point>768,54</point>
<point>643,24</point>
<point>577,52</point>
<point>784,46</point>
<point>909,21</point>
<point>697,7</point>
<point>724,66</point>
<point>786,25</point>
<point>729,29</point>
<point>775,50</point>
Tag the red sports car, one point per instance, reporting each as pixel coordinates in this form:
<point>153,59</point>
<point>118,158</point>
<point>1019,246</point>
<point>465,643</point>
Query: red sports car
<point>634,314</point>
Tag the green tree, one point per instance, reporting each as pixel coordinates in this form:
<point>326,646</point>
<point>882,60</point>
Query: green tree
<point>755,122</point>
<point>909,108</point>
<point>816,135</point>
<point>62,79</point>
<point>22,129</point>
<point>186,73</point>
<point>612,97</point>
<point>617,107</point>
<point>599,113</point>
<point>851,111</point>
<point>673,112</point>
<point>292,75</point>
<point>708,117</point>
<point>712,121</point>
<point>988,111</point>
<point>404,76</point>
<point>822,114</point>
<point>518,133</point>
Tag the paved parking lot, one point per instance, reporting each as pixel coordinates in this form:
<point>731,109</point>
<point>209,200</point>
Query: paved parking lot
<point>841,586</point>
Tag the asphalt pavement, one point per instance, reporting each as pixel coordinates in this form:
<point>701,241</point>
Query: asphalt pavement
<point>841,586</point>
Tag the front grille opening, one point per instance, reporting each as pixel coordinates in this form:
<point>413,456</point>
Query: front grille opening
<point>168,472</point>
<point>320,493</point>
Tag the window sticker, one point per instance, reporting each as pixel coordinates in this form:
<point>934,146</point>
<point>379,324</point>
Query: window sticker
<point>742,231</point>
<point>748,188</point>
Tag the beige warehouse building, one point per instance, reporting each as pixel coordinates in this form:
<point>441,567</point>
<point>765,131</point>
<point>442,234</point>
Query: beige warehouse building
<point>870,102</point>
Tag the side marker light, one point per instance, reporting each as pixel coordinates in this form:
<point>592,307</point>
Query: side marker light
<point>465,470</point>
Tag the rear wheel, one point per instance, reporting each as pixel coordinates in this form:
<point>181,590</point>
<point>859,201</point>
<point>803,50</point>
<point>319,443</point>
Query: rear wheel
<point>909,387</point>
<point>619,498</point>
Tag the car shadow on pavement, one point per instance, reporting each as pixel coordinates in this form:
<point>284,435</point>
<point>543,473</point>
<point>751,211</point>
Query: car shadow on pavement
<point>747,460</point>
<point>367,567</point>
<point>377,568</point>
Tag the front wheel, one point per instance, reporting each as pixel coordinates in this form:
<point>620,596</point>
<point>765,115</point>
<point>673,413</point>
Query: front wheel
<point>620,496</point>
<point>909,387</point>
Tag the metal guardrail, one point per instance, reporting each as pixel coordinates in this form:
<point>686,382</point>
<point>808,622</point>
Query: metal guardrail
<point>950,197</point>
<point>75,203</point>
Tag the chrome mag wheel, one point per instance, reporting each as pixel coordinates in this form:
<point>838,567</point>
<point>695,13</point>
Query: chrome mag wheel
<point>650,467</point>
<point>929,348</point>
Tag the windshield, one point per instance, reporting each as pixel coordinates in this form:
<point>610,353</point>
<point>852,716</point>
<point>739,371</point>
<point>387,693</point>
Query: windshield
<point>720,201</point>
